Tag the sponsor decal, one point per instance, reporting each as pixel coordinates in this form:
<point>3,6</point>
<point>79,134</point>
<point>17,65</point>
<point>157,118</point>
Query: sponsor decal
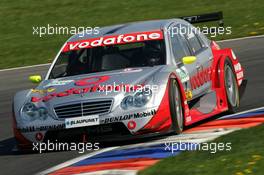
<point>129,116</point>
<point>84,90</point>
<point>203,76</point>
<point>239,72</point>
<point>131,125</point>
<point>58,83</point>
<point>188,95</point>
<point>41,128</point>
<point>64,93</point>
<point>233,55</point>
<point>112,40</point>
<point>240,75</point>
<point>39,136</point>
<point>237,67</point>
<point>42,91</point>
<point>89,85</point>
<point>91,80</point>
<point>188,119</point>
<point>183,74</point>
<point>81,121</point>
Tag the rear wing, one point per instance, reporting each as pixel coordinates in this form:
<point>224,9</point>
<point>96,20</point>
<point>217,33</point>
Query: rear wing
<point>216,16</point>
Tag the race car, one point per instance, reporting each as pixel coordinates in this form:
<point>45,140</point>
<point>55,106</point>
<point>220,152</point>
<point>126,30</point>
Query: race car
<point>131,80</point>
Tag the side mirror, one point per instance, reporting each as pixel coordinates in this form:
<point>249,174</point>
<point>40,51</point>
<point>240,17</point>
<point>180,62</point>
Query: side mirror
<point>189,59</point>
<point>35,78</point>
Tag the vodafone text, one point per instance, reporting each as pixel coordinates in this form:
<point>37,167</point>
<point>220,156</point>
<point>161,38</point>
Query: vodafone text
<point>112,40</point>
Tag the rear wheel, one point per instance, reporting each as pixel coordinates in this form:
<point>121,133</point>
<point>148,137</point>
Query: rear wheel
<point>231,87</point>
<point>176,107</point>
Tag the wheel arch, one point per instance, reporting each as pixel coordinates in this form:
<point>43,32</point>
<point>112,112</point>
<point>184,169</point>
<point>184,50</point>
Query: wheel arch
<point>218,76</point>
<point>220,57</point>
<point>157,123</point>
<point>183,96</point>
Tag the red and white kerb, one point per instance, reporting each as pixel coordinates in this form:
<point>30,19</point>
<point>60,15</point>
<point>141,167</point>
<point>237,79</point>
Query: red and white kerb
<point>112,40</point>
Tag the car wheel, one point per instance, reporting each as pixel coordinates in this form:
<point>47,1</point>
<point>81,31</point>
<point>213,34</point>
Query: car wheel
<point>231,87</point>
<point>176,107</point>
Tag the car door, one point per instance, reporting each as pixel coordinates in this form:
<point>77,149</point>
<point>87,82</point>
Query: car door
<point>180,48</point>
<point>200,79</point>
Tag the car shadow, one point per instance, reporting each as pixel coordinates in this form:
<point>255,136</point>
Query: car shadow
<point>206,120</point>
<point>8,147</point>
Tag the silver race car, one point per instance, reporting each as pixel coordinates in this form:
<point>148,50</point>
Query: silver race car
<point>130,80</point>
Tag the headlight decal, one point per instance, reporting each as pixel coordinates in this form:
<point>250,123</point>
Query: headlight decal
<point>140,99</point>
<point>30,112</point>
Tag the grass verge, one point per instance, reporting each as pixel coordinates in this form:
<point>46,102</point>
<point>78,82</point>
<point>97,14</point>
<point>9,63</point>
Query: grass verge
<point>19,47</point>
<point>245,157</point>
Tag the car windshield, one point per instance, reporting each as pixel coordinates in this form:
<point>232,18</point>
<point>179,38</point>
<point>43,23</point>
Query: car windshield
<point>107,58</point>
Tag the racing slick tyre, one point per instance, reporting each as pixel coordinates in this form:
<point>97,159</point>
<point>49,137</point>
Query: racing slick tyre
<point>231,87</point>
<point>175,107</point>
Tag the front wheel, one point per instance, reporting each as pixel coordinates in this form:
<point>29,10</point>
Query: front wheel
<point>176,107</point>
<point>231,87</point>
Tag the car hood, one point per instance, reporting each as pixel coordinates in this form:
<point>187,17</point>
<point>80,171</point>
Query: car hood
<point>48,90</point>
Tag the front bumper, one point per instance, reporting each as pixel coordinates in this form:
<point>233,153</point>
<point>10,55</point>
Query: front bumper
<point>112,134</point>
<point>56,130</point>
